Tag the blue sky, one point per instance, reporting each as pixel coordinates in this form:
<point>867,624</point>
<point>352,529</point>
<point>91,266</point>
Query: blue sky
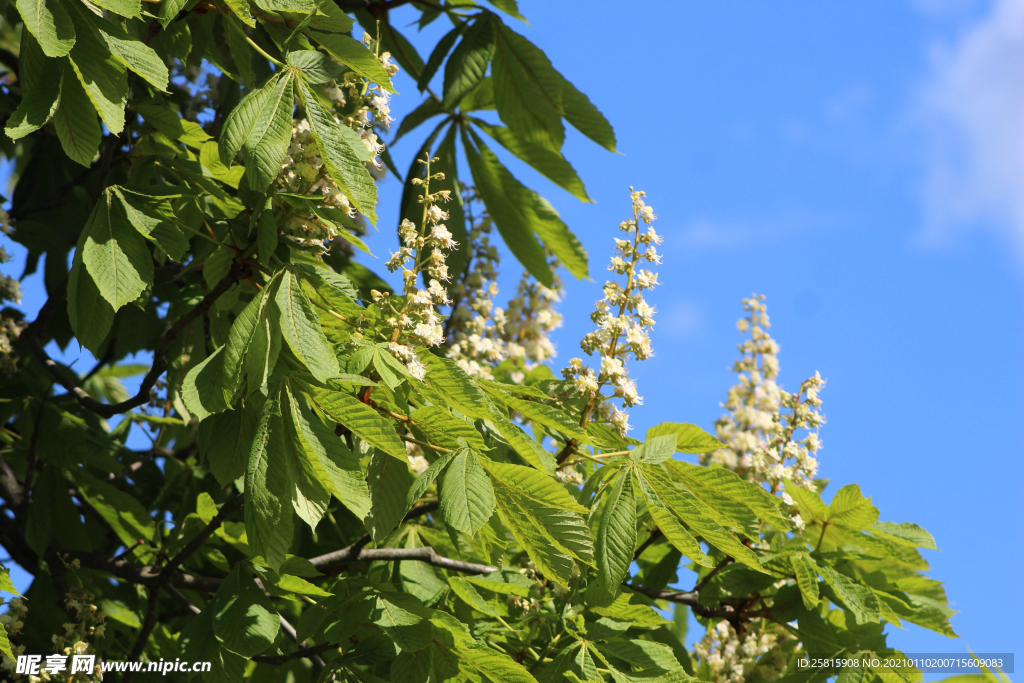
<point>862,165</point>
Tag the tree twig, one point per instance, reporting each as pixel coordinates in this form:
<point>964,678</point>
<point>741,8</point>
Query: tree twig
<point>226,510</point>
<point>65,378</point>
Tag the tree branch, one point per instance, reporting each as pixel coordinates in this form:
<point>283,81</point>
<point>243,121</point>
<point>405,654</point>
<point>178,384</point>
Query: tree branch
<point>301,653</point>
<point>692,600</point>
<point>66,379</point>
<point>226,510</point>
<point>332,563</point>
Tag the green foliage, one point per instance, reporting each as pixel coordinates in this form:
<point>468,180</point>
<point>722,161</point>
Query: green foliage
<point>328,495</point>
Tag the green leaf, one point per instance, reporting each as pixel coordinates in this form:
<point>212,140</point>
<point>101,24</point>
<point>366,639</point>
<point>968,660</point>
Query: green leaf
<point>733,501</point>
<point>301,329</point>
<point>352,54</point>
<point>50,24</point>
<point>859,600</point>
<point>426,110</point>
<point>648,656</point>
<point>242,120</point>
<point>40,89</point>
<point>551,164</point>
<point>293,584</point>
<point>316,67</point>
<point>126,8</point>
<point>244,620</point>
<point>851,510</point>
<point>543,518</point>
<point>75,120</point>
<point>499,587</point>
<point>585,117</point>
<point>360,419</point>
<point>199,644</point>
<point>101,73</point>
<point>904,533</point>
<point>655,449</point>
<point>520,212</point>
<point>133,53</point>
<point>225,441</point>
<point>468,64</point>
<point>115,254</point>
<point>269,134</point>
<point>438,54</point>
<point>202,391</point>
<point>306,459</point>
<point>5,645</point>
<point>404,620</point>
<point>703,511</point>
<point>806,573</point>
<point>243,330</point>
<point>6,584</point>
<point>153,217</point>
<point>268,490</point>
<point>616,533</point>
<point>470,596</point>
<point>339,155</point>
<point>515,230</point>
<point>527,90</point>
<point>495,666</point>
<point>389,481</point>
<point>90,315</point>
<point>122,511</point>
<point>467,497</point>
<point>689,438</point>
<point>328,459</point>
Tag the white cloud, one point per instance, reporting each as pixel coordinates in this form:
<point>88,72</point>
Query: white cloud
<point>975,112</point>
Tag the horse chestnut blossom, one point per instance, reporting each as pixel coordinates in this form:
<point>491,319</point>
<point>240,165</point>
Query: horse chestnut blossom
<point>414,316</point>
<point>624,321</point>
<point>762,421</point>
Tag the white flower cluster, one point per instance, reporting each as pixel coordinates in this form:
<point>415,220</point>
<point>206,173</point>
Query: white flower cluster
<point>75,640</point>
<point>529,319</point>
<point>483,335</point>
<point>414,315</point>
<point>359,104</point>
<point>762,421</point>
<point>624,320</point>
<point>476,342</point>
<point>10,328</point>
<point>729,657</point>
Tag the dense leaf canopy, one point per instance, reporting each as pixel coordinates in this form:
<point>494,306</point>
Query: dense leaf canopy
<point>350,482</point>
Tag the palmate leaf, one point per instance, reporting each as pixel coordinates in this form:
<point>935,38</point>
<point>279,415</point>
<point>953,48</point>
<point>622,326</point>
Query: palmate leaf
<point>549,163</point>
<point>359,418</point>
<point>522,216</point>
<point>244,620</point>
<point>75,120</point>
<point>389,481</point>
<point>666,498</point>
<point>102,74</point>
<point>40,89</point>
<point>468,63</point>
<point>50,24</point>
<point>543,518</point>
<point>467,497</point>
<point>300,327</point>
<point>343,159</point>
<point>115,254</point>
<point>225,440</point>
<point>269,489</point>
<point>527,90</point>
<point>616,533</point>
